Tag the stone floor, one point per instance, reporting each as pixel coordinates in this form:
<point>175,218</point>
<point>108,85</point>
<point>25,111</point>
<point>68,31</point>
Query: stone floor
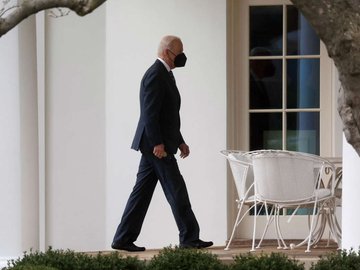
<point>243,247</point>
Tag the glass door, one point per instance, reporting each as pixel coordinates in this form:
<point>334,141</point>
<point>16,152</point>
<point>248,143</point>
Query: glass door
<point>279,90</point>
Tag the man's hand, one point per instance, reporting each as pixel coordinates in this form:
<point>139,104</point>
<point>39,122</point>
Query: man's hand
<point>159,151</point>
<point>184,149</point>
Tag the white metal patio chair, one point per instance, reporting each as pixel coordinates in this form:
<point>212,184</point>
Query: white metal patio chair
<point>327,215</point>
<point>293,180</point>
<point>242,172</point>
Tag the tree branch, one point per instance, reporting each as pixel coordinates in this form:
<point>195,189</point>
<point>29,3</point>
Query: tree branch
<point>29,7</point>
<point>5,10</point>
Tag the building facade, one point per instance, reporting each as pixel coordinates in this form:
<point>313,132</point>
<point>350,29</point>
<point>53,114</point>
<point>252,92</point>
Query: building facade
<point>69,109</point>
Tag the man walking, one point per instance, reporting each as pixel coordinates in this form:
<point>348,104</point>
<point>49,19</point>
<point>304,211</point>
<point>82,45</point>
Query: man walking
<point>158,137</point>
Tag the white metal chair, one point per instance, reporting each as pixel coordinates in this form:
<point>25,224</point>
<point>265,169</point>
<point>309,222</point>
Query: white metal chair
<point>327,215</point>
<point>293,180</point>
<point>242,172</point>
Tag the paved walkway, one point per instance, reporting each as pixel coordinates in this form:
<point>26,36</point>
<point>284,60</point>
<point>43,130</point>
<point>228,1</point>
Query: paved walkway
<point>227,257</point>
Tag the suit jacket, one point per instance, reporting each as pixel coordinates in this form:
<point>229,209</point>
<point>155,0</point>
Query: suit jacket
<point>159,121</point>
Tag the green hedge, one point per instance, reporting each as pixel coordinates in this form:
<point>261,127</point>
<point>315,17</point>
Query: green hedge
<point>176,259</point>
<point>274,261</point>
<point>185,259</point>
<point>343,260</point>
<point>70,260</point>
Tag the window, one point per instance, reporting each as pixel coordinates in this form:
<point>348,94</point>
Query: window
<point>284,80</point>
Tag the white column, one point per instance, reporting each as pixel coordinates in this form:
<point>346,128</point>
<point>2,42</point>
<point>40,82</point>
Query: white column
<point>40,61</point>
<point>10,164</point>
<point>75,131</point>
<point>18,141</point>
<point>28,135</point>
<point>350,198</point>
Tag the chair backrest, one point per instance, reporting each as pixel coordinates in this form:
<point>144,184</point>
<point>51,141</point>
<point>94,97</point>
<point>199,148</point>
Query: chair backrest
<point>242,172</point>
<point>286,176</point>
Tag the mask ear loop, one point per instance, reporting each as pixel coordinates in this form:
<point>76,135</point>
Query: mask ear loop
<point>173,60</point>
<point>172,52</point>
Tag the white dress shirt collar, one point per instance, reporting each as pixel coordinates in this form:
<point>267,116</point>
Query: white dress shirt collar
<point>166,65</point>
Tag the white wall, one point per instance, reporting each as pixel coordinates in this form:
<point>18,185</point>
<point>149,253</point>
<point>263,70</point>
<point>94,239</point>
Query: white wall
<point>75,131</point>
<point>350,197</point>
<point>18,141</point>
<point>10,146</point>
<point>134,29</point>
<point>94,65</point>
<point>93,68</point>
<point>28,135</point>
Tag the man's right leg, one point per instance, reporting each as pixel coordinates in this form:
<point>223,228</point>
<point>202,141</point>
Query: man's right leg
<point>137,205</point>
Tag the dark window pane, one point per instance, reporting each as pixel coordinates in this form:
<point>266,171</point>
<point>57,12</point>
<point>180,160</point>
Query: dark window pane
<point>265,131</point>
<point>299,211</point>
<point>265,84</point>
<point>303,83</point>
<point>266,28</point>
<point>303,132</point>
<point>301,38</point>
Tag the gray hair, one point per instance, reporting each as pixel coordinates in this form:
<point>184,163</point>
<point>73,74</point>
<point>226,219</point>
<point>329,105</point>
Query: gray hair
<point>167,42</point>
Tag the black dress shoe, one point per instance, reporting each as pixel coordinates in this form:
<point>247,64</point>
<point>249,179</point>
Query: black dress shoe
<point>128,247</point>
<point>204,244</point>
<point>197,244</point>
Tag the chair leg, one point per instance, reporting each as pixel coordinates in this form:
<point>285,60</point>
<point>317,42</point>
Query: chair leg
<point>320,223</point>
<point>254,229</point>
<point>311,228</point>
<point>280,237</point>
<point>235,226</point>
<point>335,229</point>
<point>314,236</point>
<point>270,218</point>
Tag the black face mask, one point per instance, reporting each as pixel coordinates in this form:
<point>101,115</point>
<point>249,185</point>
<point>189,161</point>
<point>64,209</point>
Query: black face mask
<point>180,60</point>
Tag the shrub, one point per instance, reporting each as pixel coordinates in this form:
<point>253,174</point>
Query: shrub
<point>33,267</point>
<point>274,261</point>
<point>343,260</point>
<point>69,260</point>
<point>185,259</point>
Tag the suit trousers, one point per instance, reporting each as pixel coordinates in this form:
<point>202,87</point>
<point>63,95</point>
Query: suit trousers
<point>166,170</point>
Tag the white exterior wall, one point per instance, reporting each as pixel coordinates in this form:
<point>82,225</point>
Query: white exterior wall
<point>75,131</point>
<point>134,29</point>
<point>93,68</point>
<point>18,142</point>
<point>86,192</point>
<point>10,239</point>
<point>28,136</point>
<point>350,198</point>
<point>94,65</point>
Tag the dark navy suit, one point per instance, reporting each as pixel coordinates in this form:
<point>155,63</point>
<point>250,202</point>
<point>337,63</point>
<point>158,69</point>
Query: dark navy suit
<point>159,123</point>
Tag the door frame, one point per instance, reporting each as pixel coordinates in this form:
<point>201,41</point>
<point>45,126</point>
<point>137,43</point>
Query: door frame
<point>238,96</point>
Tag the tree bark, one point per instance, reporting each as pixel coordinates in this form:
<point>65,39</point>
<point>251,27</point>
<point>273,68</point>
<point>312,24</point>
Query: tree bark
<point>25,8</point>
<point>337,23</point>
